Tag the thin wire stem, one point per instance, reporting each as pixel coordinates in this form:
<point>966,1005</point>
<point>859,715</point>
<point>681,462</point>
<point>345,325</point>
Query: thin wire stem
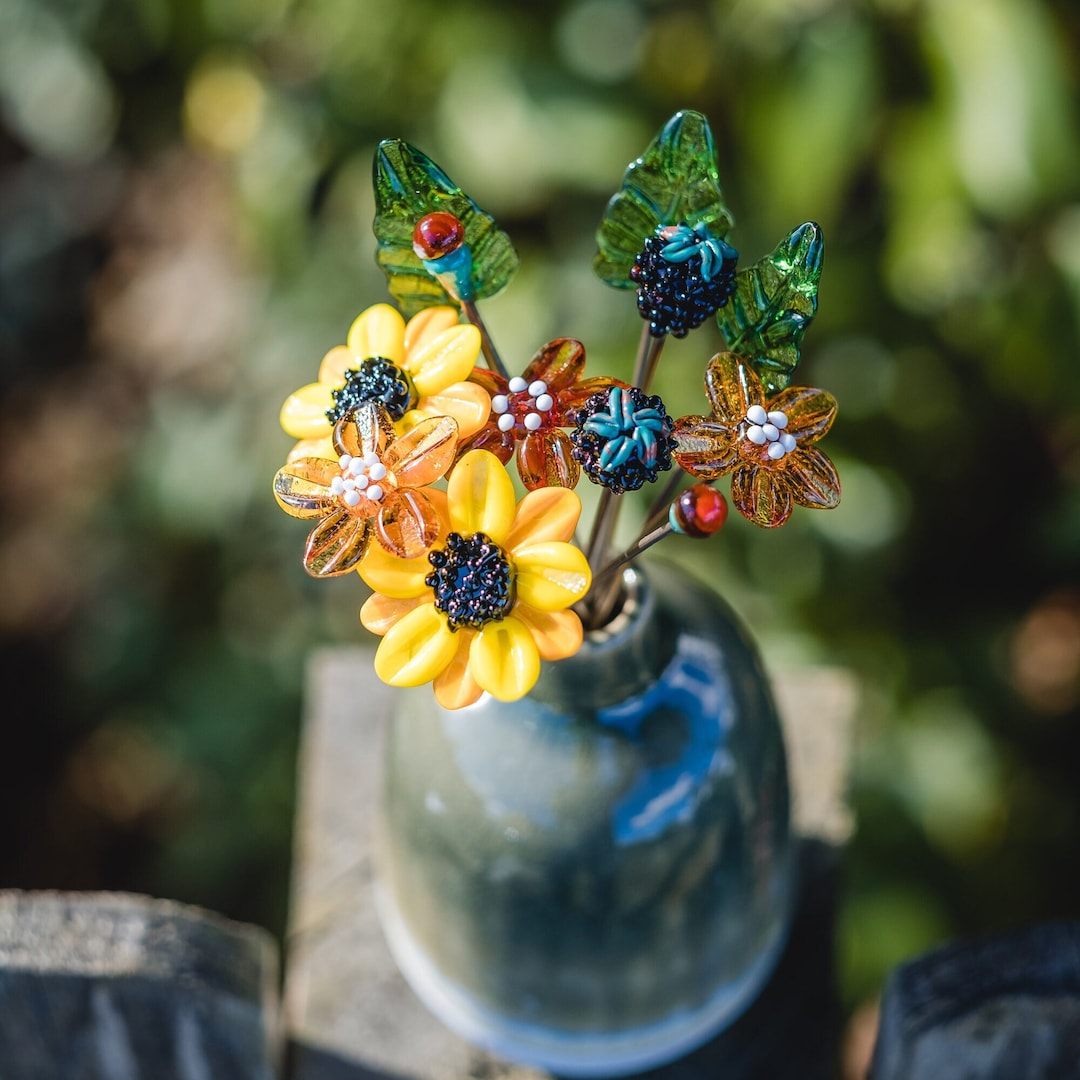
<point>606,596</point>
<point>648,356</point>
<point>491,355</point>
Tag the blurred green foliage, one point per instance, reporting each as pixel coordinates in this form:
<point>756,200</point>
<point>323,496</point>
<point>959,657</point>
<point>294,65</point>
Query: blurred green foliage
<point>185,208</point>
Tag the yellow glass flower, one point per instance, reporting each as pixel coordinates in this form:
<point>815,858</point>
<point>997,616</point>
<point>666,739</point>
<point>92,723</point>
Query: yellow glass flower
<point>492,598</point>
<point>378,488</point>
<point>415,371</point>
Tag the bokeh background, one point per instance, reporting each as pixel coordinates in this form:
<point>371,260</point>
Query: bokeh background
<point>185,208</point>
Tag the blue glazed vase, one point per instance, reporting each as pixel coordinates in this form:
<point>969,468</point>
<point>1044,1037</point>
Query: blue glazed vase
<point>599,877</point>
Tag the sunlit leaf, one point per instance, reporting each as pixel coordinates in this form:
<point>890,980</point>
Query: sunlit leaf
<point>774,302</point>
<point>409,185</point>
<point>676,180</point>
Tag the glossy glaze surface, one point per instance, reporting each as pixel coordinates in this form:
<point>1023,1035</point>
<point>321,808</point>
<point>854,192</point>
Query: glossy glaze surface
<point>611,853</point>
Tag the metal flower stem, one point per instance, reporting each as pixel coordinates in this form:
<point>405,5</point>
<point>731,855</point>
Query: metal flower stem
<point>606,583</point>
<point>491,355</point>
<point>648,356</point>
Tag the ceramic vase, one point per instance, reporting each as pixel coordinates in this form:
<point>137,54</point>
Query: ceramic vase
<point>599,877</point>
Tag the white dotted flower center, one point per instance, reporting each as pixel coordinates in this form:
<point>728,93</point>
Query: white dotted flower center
<point>539,401</point>
<point>767,429</point>
<point>359,475</point>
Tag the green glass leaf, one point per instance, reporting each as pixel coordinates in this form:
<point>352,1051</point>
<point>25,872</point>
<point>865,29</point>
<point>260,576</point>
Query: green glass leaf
<point>675,180</point>
<point>408,185</point>
<point>774,301</point>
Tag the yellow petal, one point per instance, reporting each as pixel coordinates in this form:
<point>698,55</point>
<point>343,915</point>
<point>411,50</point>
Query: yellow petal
<point>544,514</point>
<point>415,649</point>
<point>445,360</point>
<point>468,403</point>
<point>379,612</point>
<point>394,577</point>
<point>427,324</point>
<point>557,634</point>
<point>504,659</point>
<point>481,496</point>
<point>334,365</point>
<point>455,687</point>
<point>551,575</point>
<point>379,331</point>
<point>303,416</point>
<point>321,448</point>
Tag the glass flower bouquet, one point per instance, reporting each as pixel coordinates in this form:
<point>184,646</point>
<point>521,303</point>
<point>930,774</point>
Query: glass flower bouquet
<point>404,441</point>
<point>586,863</point>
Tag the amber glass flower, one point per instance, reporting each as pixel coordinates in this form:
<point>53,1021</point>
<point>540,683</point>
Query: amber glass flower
<point>491,599</point>
<point>529,411</point>
<point>377,488</point>
<point>766,445</point>
<point>415,371</point>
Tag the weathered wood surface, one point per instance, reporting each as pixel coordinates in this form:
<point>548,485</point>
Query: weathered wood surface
<point>108,986</point>
<point>1003,1008</point>
<point>349,1014</point>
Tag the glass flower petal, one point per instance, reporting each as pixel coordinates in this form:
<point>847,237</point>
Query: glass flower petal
<point>303,416</point>
<point>545,459</point>
<point>363,432</point>
<point>544,514</point>
<point>448,358</point>
<point>759,497</point>
<point>813,478</point>
<point>416,649</point>
<point>320,448</point>
<point>557,634</point>
<point>571,400</point>
<point>732,387</point>
<point>504,659</point>
<point>550,575</point>
<point>380,612</point>
<point>378,331</point>
<point>334,365</point>
<point>455,687</point>
<point>302,488</point>
<point>705,447</point>
<point>407,524</point>
<point>465,402</point>
<point>423,454</point>
<point>428,324</point>
<point>336,544</point>
<point>394,577</point>
<point>810,412</point>
<point>481,496</point>
<point>558,363</point>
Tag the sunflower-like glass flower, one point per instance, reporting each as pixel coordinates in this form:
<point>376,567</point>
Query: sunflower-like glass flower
<point>491,599</point>
<point>415,371</point>
<point>378,487</point>
<point>766,445</point>
<point>529,412</point>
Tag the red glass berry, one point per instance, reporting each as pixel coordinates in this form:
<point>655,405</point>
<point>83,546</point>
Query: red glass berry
<point>437,234</point>
<point>700,511</point>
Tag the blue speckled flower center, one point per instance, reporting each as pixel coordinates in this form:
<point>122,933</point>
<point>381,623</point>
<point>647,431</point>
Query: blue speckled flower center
<point>376,380</point>
<point>472,581</point>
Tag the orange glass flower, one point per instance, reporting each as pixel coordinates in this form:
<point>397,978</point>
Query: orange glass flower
<point>415,370</point>
<point>377,488</point>
<point>529,412</point>
<point>491,599</point>
<point>766,445</point>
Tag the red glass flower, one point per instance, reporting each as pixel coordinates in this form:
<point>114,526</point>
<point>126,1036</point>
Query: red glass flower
<point>529,412</point>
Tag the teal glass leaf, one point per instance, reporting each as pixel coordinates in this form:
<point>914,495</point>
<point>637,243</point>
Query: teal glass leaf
<point>408,185</point>
<point>774,301</point>
<point>676,180</point>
